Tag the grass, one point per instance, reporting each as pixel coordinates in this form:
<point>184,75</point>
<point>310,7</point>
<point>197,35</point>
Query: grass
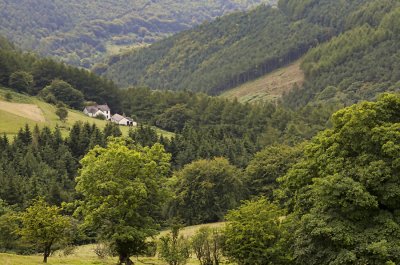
<point>270,87</point>
<point>191,230</point>
<point>23,109</point>
<point>84,255</point>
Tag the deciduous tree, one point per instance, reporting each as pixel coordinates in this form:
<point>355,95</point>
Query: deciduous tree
<point>345,192</point>
<point>122,189</point>
<point>44,226</point>
<point>253,234</point>
<point>206,190</point>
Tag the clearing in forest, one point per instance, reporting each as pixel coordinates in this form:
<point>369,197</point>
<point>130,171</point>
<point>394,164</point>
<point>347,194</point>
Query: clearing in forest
<point>29,111</point>
<point>269,87</point>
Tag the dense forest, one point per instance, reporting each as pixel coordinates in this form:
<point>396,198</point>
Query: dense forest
<point>313,179</point>
<point>235,49</point>
<point>356,65</point>
<point>82,33</point>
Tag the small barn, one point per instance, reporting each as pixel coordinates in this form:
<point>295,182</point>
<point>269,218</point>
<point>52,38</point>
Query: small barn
<point>122,120</point>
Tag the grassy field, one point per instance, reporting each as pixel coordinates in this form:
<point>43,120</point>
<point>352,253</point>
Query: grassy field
<point>84,255</point>
<point>23,109</point>
<point>270,87</point>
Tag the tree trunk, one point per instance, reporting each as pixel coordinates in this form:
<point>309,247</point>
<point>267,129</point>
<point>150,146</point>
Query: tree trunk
<point>46,254</point>
<point>125,260</point>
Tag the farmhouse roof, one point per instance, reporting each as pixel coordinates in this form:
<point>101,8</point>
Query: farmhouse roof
<point>103,107</point>
<point>93,109</point>
<point>117,117</point>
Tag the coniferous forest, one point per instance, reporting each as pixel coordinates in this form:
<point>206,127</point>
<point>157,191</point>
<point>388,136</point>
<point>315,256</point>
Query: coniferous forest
<point>312,178</point>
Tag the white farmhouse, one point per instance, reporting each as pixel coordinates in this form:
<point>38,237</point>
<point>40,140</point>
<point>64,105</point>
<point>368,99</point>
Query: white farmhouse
<point>122,120</point>
<point>97,110</point>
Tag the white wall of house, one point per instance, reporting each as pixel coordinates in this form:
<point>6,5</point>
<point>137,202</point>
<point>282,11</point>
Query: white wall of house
<point>106,114</point>
<point>87,113</point>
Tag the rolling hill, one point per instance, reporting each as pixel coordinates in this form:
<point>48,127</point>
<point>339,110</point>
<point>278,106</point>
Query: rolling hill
<point>234,49</point>
<point>82,32</point>
<point>24,109</point>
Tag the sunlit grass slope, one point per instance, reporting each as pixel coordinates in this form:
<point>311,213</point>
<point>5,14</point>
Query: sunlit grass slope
<point>23,109</point>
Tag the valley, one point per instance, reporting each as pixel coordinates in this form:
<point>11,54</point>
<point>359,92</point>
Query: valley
<point>269,135</point>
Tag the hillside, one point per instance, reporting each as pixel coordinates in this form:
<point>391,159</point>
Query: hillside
<point>357,65</point>
<point>270,87</point>
<point>81,33</point>
<point>23,110</point>
<point>234,49</point>
<point>28,73</point>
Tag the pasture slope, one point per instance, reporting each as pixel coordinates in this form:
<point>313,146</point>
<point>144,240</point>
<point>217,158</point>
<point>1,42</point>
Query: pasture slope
<point>269,87</point>
<point>23,109</point>
<point>84,255</point>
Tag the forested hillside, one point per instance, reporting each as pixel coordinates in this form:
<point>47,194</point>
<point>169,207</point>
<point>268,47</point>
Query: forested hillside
<point>81,33</point>
<point>235,49</point>
<point>357,65</point>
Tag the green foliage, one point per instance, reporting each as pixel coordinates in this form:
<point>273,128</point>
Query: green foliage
<point>174,118</point>
<point>344,193</point>
<point>21,81</point>
<point>174,249</point>
<point>206,190</point>
<point>80,34</point>
<point>144,135</point>
<point>44,226</point>
<point>62,113</point>
<point>36,163</point>
<point>65,93</point>
<point>8,228</point>
<point>207,246</point>
<point>267,166</point>
<point>122,189</point>
<point>361,63</point>
<point>253,234</point>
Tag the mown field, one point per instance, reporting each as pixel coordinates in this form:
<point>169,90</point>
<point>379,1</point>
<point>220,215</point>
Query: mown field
<point>85,255</point>
<point>23,109</point>
<point>270,87</point>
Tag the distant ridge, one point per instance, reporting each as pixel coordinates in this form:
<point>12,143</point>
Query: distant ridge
<point>236,48</point>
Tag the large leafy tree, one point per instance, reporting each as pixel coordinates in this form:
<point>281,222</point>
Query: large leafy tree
<point>253,234</point>
<point>21,81</point>
<point>44,226</point>
<point>122,188</point>
<point>64,92</point>
<point>268,165</point>
<point>345,193</point>
<point>206,190</point>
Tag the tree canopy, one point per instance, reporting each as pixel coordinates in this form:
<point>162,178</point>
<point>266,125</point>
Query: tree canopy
<point>122,189</point>
<point>206,190</point>
<point>44,226</point>
<point>253,233</point>
<point>344,193</point>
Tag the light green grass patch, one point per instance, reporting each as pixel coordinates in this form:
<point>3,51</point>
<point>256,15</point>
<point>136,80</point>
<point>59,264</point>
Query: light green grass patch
<point>270,87</point>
